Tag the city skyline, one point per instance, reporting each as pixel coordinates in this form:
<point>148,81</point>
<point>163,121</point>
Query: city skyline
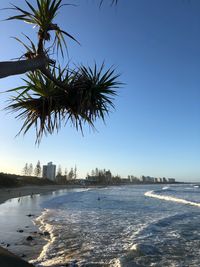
<point>155,128</point>
<point>62,175</point>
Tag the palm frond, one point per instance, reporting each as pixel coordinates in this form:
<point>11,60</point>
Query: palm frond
<point>43,105</point>
<point>30,48</point>
<point>43,16</point>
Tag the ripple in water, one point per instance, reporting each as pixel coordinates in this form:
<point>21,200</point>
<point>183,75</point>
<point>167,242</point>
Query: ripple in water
<point>127,227</point>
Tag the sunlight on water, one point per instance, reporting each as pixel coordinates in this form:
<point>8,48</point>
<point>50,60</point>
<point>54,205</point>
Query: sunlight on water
<point>125,228</point>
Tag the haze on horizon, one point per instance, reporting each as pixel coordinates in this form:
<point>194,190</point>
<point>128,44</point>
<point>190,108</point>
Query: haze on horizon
<point>155,129</point>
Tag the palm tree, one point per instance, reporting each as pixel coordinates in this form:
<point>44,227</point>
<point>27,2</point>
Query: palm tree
<point>51,96</point>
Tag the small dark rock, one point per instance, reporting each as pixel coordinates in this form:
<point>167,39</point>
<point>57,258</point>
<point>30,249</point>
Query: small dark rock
<point>20,231</point>
<point>46,233</point>
<point>29,238</point>
<point>23,255</point>
<point>72,264</point>
<point>29,215</point>
<point>7,245</point>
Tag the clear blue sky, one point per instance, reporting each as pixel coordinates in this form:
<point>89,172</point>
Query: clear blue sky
<point>155,129</point>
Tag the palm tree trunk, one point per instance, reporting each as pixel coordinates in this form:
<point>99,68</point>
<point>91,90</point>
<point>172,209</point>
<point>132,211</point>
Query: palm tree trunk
<point>9,68</point>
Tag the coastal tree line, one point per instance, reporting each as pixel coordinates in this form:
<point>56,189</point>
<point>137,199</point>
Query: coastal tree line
<point>61,176</point>
<point>66,176</point>
<point>29,170</point>
<point>102,176</point>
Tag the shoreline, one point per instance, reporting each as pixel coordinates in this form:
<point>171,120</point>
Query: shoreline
<point>7,258</point>
<point>7,193</point>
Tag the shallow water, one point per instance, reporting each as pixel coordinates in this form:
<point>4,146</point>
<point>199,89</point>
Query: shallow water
<point>124,226</point>
<point>147,225</point>
<point>13,217</point>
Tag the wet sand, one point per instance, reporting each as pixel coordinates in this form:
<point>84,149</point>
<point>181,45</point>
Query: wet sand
<point>8,193</point>
<point>8,259</point>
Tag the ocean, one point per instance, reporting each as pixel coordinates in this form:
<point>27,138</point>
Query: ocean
<point>119,226</point>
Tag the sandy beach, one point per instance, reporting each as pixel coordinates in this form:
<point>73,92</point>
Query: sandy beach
<point>8,193</point>
<point>8,259</point>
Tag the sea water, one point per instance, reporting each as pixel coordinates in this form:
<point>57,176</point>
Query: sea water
<point>122,226</point>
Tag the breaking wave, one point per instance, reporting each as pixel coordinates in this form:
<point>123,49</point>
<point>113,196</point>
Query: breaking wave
<point>122,229</point>
<point>153,194</point>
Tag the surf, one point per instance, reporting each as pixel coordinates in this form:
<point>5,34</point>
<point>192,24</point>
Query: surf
<point>152,194</point>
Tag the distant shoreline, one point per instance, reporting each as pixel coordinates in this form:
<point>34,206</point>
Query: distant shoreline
<point>15,192</point>
<point>7,193</point>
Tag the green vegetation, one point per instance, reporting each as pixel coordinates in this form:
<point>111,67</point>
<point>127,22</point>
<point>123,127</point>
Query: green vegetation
<point>68,177</point>
<point>103,177</point>
<point>28,170</point>
<point>13,180</point>
<point>53,95</point>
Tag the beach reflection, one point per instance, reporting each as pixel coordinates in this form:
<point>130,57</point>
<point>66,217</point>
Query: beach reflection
<point>16,219</point>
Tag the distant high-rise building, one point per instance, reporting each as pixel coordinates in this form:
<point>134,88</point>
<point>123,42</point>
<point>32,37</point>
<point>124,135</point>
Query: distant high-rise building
<point>171,180</point>
<point>49,171</point>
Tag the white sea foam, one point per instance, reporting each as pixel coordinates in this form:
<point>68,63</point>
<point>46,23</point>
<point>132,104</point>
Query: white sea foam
<point>165,188</point>
<point>90,232</point>
<point>55,253</point>
<point>170,198</point>
<point>44,256</point>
